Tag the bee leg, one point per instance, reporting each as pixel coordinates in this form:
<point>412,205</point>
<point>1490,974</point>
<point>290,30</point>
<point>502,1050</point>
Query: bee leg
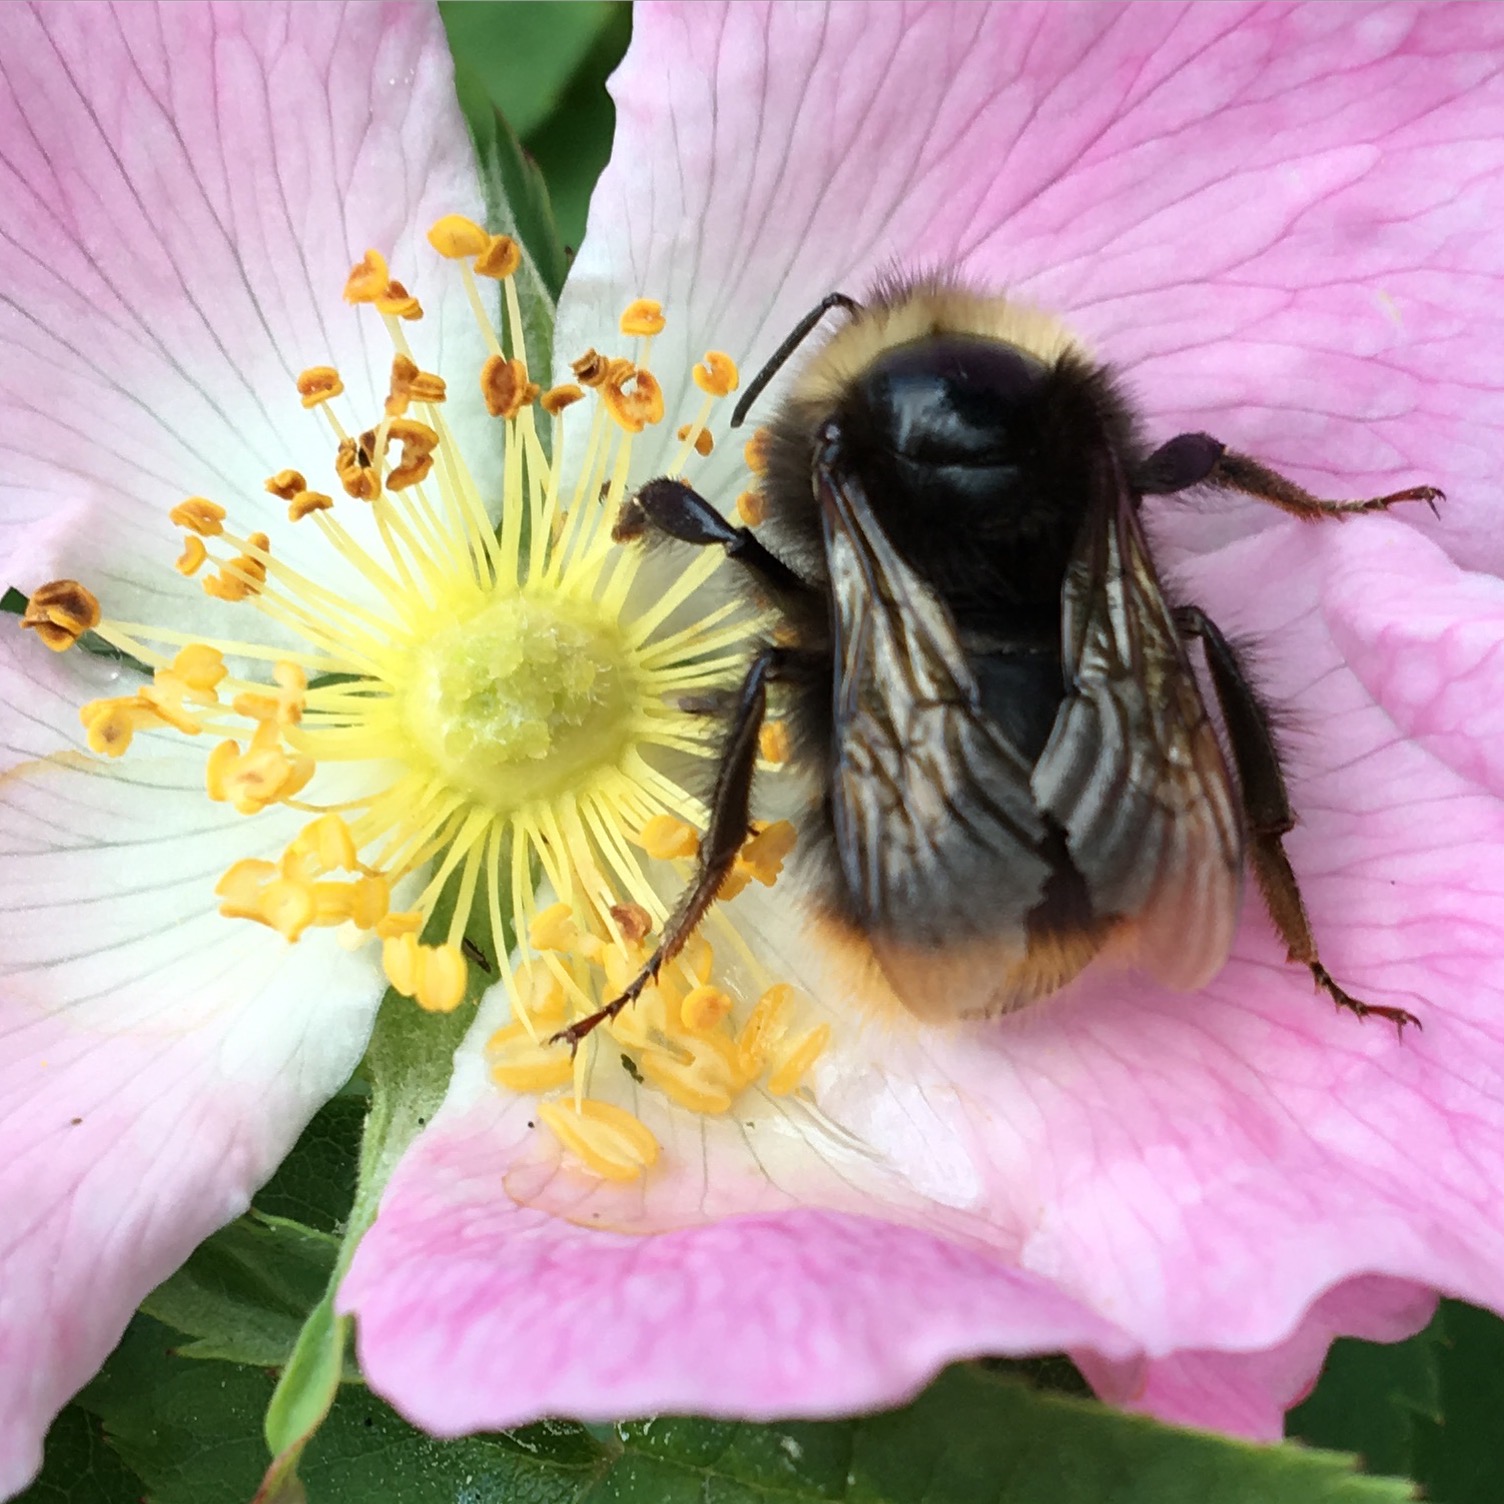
<point>1197,459</point>
<point>730,811</point>
<point>680,512</point>
<point>1266,805</point>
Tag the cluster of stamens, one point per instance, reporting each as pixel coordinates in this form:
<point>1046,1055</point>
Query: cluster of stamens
<point>525,689</point>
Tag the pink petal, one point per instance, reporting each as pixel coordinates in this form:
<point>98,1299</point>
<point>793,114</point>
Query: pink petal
<point>1278,221</point>
<point>158,1060</point>
<point>185,189</point>
<point>1194,1172</point>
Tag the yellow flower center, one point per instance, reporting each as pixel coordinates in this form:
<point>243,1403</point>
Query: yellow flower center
<point>505,703</point>
<point>521,702</point>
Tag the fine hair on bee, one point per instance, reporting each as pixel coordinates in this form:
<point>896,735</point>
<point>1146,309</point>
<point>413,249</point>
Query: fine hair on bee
<point>982,668</point>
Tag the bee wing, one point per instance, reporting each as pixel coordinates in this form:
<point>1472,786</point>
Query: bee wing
<point>937,833</point>
<point>1133,770</point>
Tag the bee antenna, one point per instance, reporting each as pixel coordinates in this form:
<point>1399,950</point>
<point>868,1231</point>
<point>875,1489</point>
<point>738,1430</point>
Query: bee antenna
<point>796,338</point>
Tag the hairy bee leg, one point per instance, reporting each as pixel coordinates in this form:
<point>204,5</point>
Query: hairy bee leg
<point>1197,459</point>
<point>730,812</point>
<point>1266,804</point>
<point>681,512</point>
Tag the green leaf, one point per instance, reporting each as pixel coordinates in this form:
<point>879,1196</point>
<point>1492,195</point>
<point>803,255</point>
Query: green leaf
<point>517,198</point>
<point>1459,1453</point>
<point>80,1467</point>
<point>524,53</point>
<point>245,1293</point>
<point>1369,1398</point>
<point>574,143</point>
<point>978,1438</point>
<point>315,1184</point>
<point>971,1438</point>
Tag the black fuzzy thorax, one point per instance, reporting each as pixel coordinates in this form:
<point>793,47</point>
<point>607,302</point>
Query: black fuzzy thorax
<point>982,484</point>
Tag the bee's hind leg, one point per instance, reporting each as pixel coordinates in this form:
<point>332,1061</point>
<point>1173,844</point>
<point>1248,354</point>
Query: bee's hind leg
<point>730,812</point>
<point>678,511</point>
<point>1197,459</point>
<point>1266,806</point>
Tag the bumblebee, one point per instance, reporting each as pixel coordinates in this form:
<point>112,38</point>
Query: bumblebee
<point>985,673</point>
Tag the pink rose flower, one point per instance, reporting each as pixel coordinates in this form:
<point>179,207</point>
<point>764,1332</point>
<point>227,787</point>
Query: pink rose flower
<point>1278,224</point>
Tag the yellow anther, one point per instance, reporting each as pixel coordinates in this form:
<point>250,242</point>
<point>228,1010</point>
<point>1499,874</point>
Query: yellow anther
<point>706,1080</point>
<point>455,237</point>
<point>606,1139</point>
<point>504,385</point>
<point>404,922</point>
<point>666,837</point>
<point>357,472</point>
<point>591,369</point>
<point>370,898</point>
<point>60,612</point>
<point>368,279</point>
<point>773,741</point>
<point>241,888</point>
<point>755,451</point>
<point>110,724</point>
<point>327,845</point>
<point>418,442</point>
<point>521,1062</point>
<point>318,384</point>
<point>433,976</point>
<point>501,257</point>
<point>765,1027</point>
<point>751,508</point>
<point>704,443</point>
<point>642,316</point>
<point>201,668</point>
<point>790,1071</point>
<point>255,778</point>
<point>191,560</point>
<point>764,855</point>
<point>557,398</point>
<point>632,920</point>
<point>703,1008</point>
<point>553,929</point>
<point>442,975</point>
<point>409,384</point>
<point>199,515</point>
<point>307,502</point>
<point>287,484</point>
<point>717,375</point>
<point>287,907</point>
<point>634,399</point>
<point>255,705</point>
<point>397,302</point>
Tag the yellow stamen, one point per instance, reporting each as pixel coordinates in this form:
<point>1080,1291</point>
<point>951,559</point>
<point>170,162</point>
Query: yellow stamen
<point>60,613</point>
<point>703,442</point>
<point>717,375</point>
<point>318,384</point>
<point>665,837</point>
<point>520,1061</point>
<point>557,398</point>
<point>500,259</point>
<point>456,237</point>
<point>606,1139</point>
<point>505,387</point>
<point>199,515</point>
<point>792,1068</point>
<point>644,316</point>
